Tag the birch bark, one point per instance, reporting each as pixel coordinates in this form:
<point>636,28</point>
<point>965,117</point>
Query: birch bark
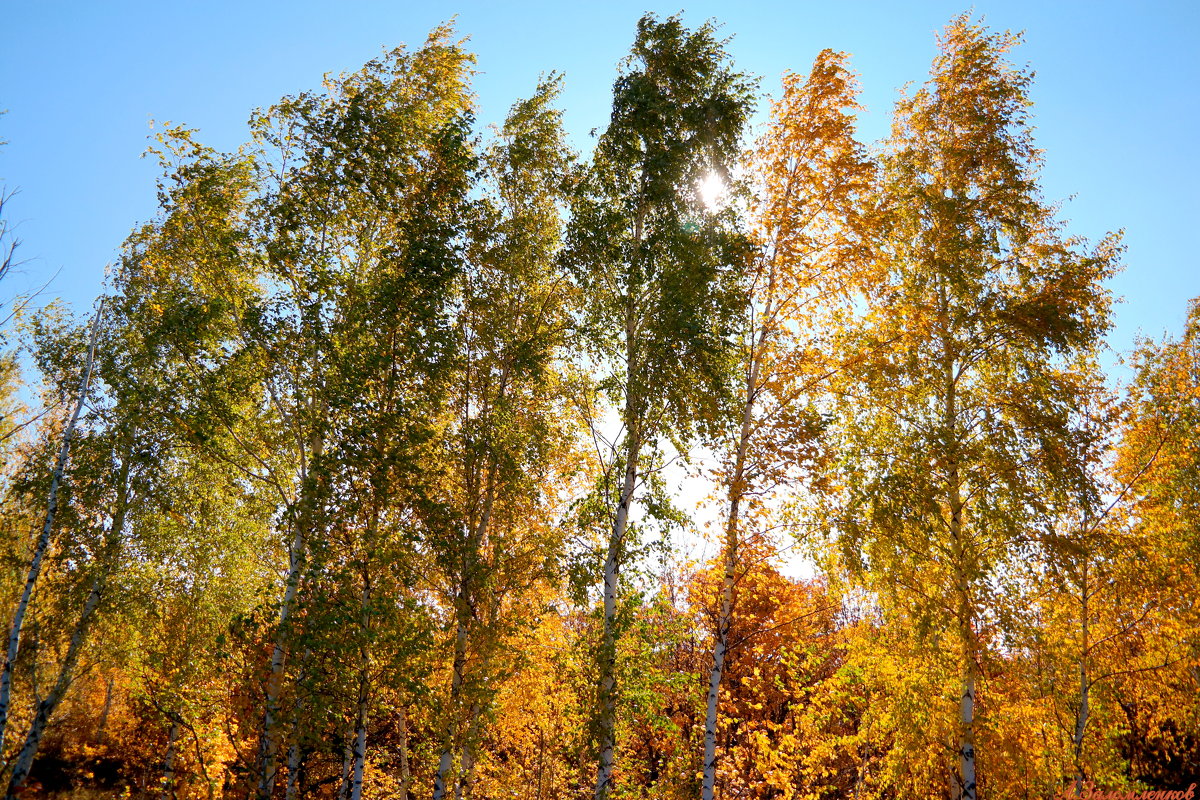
<point>43,541</point>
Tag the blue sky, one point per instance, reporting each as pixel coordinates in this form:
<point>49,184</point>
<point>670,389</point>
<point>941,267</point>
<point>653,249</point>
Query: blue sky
<point>1115,101</point>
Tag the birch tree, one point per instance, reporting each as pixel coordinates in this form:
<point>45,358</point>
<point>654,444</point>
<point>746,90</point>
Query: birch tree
<point>952,432</point>
<point>360,229</point>
<point>810,178</point>
<point>659,275</point>
<point>508,436</point>
<point>42,542</point>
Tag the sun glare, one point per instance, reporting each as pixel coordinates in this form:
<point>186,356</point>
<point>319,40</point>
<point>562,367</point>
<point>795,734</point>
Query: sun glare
<point>712,191</point>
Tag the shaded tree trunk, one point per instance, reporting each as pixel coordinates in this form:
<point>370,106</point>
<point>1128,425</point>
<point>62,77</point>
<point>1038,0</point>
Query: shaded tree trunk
<point>106,562</point>
<point>466,610</point>
<point>446,761</point>
<point>103,723</point>
<point>724,618</point>
<point>46,707</point>
<point>467,760</point>
<point>405,770</point>
<point>360,716</point>
<point>294,766</point>
<point>1081,716</point>
<point>269,741</point>
<point>168,779</point>
<point>43,541</point>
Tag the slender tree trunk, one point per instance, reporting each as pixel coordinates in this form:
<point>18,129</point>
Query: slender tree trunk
<point>103,724</point>
<point>168,780</point>
<point>541,767</point>
<point>465,608</point>
<point>736,490</point>
<point>446,762</point>
<point>364,685</point>
<point>297,551</point>
<point>297,752</point>
<point>967,784</point>
<point>293,781</point>
<point>708,787</point>
<point>347,765</point>
<point>405,771</point>
<point>46,707</point>
<point>606,721</point>
<point>966,751</point>
<point>360,751</point>
<point>105,564</point>
<point>269,743</point>
<point>607,717</point>
<point>467,761</point>
<point>43,541</point>
<point>1081,717</point>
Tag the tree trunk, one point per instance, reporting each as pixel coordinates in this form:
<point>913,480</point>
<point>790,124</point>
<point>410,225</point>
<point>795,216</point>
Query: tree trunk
<point>708,787</point>
<point>364,679</point>
<point>1081,717</point>
<point>736,490</point>
<point>43,541</point>
<point>46,707</point>
<point>269,742</point>
<point>446,762</point>
<point>405,772</point>
<point>347,766</point>
<point>168,780</point>
<point>360,751</point>
<point>293,781</point>
<point>967,789</point>
<point>966,750</point>
<point>467,761</point>
<point>607,716</point>
<point>465,605</point>
<point>105,564</point>
<point>100,726</point>
<point>297,752</point>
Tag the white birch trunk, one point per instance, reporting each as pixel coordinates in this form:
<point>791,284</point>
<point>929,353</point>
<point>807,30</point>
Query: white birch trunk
<point>467,761</point>
<point>168,785</point>
<point>608,646</point>
<point>46,707</point>
<point>43,541</point>
<point>1081,717</point>
<point>736,490</point>
<point>269,743</point>
<point>708,787</point>
<point>446,761</point>
<point>405,771</point>
<point>105,564</point>
<point>364,679</point>
<point>293,782</point>
<point>966,750</point>
<point>360,753</point>
<point>103,723</point>
<point>466,609</point>
<point>347,767</point>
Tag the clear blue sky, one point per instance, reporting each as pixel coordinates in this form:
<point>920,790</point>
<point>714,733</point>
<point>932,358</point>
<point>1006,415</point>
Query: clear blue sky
<point>1116,100</point>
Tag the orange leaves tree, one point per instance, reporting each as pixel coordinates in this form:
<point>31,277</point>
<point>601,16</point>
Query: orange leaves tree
<point>952,435</point>
<point>810,179</point>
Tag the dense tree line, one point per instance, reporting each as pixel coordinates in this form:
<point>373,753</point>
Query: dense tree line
<point>360,480</point>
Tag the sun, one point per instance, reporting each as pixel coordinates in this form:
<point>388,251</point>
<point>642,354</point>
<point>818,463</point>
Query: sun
<point>712,191</point>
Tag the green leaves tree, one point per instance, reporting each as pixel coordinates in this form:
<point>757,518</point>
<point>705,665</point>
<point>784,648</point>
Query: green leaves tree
<point>659,273</point>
